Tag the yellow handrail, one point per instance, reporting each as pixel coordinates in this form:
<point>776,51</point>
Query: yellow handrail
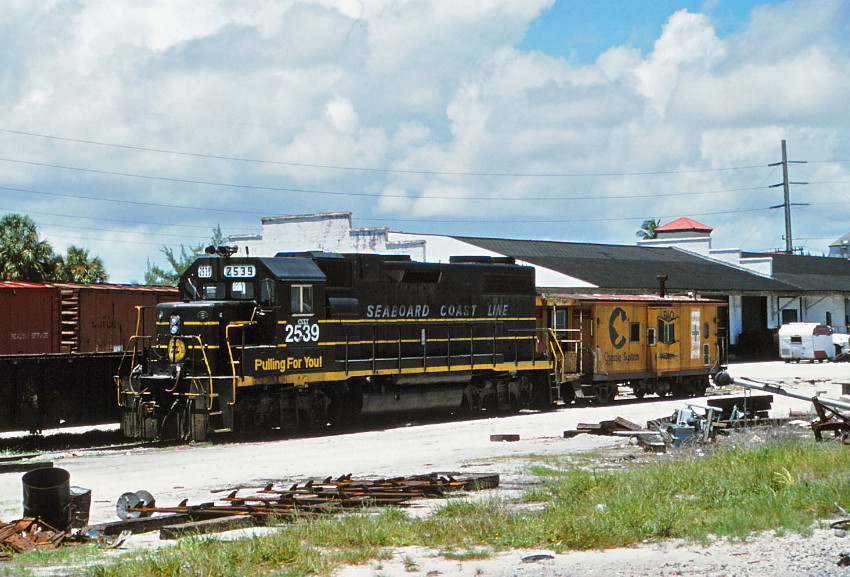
<point>557,354</point>
<point>230,355</point>
<point>207,365</point>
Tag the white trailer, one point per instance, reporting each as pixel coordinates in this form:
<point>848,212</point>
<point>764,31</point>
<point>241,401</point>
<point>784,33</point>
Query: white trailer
<point>805,341</point>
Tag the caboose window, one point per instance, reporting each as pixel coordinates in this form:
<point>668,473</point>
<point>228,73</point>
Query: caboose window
<point>666,332</point>
<point>559,322</point>
<point>634,332</point>
<point>302,299</point>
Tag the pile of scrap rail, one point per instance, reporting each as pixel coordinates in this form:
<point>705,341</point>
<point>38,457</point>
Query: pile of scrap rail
<point>649,439</point>
<point>28,534</point>
<point>140,513</point>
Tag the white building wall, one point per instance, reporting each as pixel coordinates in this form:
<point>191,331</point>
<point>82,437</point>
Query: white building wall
<point>736,318</point>
<point>698,244</point>
<point>816,307</point>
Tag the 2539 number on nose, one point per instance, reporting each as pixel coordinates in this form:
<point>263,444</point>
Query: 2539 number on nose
<point>303,332</point>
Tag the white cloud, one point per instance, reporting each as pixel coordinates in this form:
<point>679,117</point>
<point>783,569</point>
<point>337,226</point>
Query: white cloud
<point>424,87</point>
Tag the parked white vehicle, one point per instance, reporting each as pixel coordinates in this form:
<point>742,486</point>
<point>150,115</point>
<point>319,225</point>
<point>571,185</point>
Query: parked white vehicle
<point>805,341</point>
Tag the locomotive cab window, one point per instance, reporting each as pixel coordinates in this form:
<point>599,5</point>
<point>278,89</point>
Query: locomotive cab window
<point>214,291</point>
<point>267,292</point>
<point>242,290</point>
<point>301,299</point>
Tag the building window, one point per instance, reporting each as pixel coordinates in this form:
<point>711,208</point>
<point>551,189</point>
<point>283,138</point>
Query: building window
<point>302,299</point>
<point>828,319</point>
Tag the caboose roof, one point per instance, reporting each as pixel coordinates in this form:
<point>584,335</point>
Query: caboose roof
<point>570,298</point>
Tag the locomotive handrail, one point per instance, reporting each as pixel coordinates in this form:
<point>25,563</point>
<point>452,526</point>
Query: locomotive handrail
<point>239,324</point>
<point>557,354</point>
<point>135,336</point>
<point>209,369</point>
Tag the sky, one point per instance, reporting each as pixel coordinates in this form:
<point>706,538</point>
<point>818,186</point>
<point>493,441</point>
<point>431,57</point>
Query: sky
<point>128,126</point>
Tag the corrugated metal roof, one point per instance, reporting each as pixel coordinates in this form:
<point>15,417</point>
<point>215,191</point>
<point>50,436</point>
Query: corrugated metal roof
<point>627,267</point>
<point>811,273</point>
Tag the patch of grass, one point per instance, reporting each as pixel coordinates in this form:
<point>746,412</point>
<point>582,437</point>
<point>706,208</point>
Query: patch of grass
<point>729,493</point>
<point>468,554</point>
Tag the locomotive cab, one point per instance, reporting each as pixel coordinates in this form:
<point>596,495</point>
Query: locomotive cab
<point>184,384</point>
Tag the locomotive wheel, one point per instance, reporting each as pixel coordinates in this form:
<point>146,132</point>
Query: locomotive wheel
<point>640,393</point>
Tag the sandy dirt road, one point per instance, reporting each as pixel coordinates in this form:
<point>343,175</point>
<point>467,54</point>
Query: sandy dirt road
<point>174,473</point>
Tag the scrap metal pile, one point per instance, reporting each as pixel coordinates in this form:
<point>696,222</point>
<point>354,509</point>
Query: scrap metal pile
<point>28,534</point>
<point>688,424</point>
<point>830,419</point>
<point>243,507</point>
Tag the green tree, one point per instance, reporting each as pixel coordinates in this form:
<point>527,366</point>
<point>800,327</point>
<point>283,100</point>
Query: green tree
<point>23,256</point>
<point>77,266</point>
<point>647,229</point>
<point>178,262</point>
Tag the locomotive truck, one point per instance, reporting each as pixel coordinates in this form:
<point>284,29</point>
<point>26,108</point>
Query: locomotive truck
<point>307,339</point>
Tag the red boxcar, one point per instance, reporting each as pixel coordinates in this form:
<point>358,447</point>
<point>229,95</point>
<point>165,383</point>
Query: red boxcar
<point>101,318</point>
<point>59,348</point>
<point>29,318</point>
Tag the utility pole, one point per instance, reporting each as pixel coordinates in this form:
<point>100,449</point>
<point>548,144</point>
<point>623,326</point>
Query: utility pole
<point>789,244</point>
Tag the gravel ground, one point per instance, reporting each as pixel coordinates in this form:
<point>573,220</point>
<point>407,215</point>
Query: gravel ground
<point>192,472</point>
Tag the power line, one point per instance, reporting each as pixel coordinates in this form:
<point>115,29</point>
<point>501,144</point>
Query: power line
<point>371,169</point>
<point>100,219</point>
<point>264,213</point>
<point>364,194</point>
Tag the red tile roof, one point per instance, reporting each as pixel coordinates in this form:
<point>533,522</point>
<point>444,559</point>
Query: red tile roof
<point>683,223</point>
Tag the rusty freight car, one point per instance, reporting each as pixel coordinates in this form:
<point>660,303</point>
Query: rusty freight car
<point>60,345</point>
<point>652,344</point>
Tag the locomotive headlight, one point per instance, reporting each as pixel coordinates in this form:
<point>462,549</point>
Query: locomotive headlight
<point>174,324</point>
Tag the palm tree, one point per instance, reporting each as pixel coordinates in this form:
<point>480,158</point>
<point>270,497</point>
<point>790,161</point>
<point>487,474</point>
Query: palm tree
<point>77,266</point>
<point>23,256</point>
<point>647,229</point>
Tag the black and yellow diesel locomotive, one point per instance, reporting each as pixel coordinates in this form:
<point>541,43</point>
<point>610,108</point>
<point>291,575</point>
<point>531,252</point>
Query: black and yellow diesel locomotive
<point>303,339</point>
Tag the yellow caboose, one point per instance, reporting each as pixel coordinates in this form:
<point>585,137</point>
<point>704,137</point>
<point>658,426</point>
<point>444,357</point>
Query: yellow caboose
<point>652,344</point>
